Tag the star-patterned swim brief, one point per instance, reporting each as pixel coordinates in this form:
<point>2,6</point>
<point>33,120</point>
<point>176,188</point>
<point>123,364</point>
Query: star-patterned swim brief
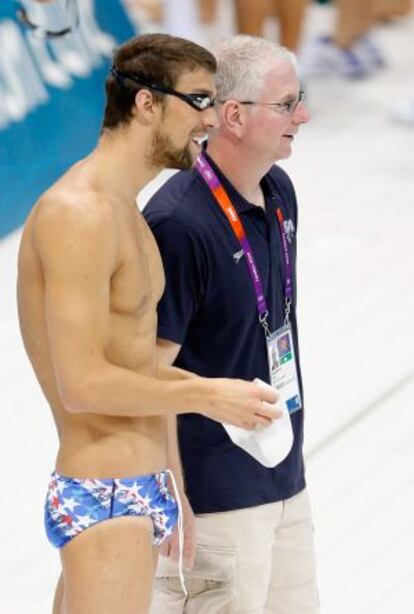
<point>73,505</point>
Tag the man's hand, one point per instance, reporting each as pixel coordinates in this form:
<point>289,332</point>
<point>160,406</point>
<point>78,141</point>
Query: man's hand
<point>171,548</point>
<point>240,403</point>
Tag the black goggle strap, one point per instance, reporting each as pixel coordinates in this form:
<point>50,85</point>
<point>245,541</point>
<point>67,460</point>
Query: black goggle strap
<point>198,101</point>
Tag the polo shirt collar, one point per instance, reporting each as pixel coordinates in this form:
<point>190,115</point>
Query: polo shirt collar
<point>239,202</point>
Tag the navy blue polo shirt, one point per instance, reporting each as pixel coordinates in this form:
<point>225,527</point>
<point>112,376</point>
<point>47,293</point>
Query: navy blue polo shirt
<point>209,308</point>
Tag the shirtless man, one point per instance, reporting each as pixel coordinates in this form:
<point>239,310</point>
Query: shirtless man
<point>90,277</point>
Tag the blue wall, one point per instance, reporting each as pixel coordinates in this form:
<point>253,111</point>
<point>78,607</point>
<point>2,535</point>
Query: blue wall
<point>50,113</point>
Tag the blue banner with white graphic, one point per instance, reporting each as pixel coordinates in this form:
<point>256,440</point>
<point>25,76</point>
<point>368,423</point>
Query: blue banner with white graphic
<point>51,100</point>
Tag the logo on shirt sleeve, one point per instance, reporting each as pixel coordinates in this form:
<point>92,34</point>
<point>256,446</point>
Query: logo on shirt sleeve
<point>238,255</point>
<point>289,228</point>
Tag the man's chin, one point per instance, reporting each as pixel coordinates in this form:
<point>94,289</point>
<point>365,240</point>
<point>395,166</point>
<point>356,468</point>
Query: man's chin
<point>164,155</point>
<point>195,149</point>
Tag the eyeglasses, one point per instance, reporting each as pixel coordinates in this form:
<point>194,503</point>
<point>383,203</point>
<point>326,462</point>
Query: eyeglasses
<point>285,108</point>
<point>200,102</point>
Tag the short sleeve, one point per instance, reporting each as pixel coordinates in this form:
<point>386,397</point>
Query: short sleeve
<point>185,272</point>
<point>287,192</point>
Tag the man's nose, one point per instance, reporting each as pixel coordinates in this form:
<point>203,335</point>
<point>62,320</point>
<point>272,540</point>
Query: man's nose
<point>210,118</point>
<point>301,114</point>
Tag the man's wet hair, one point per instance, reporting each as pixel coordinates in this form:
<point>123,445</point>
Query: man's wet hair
<point>156,58</point>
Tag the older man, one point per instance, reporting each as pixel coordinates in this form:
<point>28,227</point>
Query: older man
<point>227,235</point>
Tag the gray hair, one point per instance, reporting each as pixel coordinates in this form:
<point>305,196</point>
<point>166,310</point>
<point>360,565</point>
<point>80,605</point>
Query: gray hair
<point>243,63</point>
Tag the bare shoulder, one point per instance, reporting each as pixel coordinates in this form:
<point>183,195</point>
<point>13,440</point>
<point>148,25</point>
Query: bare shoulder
<point>73,210</point>
<point>74,224</point>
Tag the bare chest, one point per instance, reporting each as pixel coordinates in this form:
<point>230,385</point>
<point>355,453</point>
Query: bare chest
<point>138,282</point>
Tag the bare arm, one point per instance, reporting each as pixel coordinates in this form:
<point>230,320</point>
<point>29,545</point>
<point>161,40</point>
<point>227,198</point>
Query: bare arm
<point>167,352</point>
<point>77,246</point>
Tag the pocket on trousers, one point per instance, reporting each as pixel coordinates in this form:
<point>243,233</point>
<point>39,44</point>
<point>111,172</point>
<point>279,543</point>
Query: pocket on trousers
<point>214,568</point>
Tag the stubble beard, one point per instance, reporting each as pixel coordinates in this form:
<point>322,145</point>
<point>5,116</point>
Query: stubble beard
<point>164,154</point>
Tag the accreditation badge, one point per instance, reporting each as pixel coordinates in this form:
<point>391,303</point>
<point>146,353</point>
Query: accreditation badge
<point>282,367</point>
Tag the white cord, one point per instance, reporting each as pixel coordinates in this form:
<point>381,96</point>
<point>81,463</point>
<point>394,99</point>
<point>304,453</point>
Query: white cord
<point>180,532</point>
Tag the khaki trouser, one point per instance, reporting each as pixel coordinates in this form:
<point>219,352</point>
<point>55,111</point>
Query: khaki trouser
<point>257,560</point>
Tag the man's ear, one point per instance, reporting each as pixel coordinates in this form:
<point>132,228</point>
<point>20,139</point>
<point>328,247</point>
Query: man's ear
<point>145,105</point>
<point>233,117</point>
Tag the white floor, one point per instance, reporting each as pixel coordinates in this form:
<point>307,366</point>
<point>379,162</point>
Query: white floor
<point>354,172</point>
